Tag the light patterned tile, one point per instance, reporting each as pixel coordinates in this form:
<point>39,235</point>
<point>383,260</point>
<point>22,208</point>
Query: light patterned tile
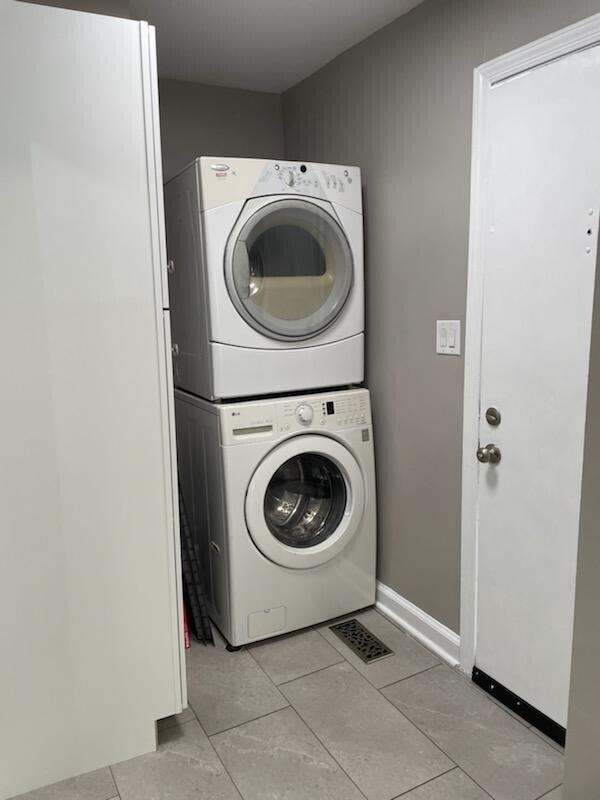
<point>96,785</point>
<point>185,767</point>
<point>293,656</point>
<point>554,795</point>
<point>226,689</point>
<point>279,757</point>
<point>378,747</point>
<point>501,755</point>
<point>453,785</point>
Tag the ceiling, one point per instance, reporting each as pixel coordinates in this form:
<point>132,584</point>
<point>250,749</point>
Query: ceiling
<point>267,45</point>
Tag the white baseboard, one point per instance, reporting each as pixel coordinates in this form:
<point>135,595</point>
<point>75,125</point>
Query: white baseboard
<point>427,630</point>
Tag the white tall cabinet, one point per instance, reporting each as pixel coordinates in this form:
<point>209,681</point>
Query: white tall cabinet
<point>90,596</point>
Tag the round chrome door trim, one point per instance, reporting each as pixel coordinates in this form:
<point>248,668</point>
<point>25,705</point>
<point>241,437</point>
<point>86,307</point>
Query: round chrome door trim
<point>305,557</point>
<point>237,263</point>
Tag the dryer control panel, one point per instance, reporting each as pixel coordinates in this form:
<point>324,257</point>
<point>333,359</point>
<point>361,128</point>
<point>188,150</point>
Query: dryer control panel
<point>272,419</point>
<point>338,184</point>
<point>226,180</point>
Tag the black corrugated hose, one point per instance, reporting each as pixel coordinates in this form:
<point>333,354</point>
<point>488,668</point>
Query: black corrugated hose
<point>194,591</point>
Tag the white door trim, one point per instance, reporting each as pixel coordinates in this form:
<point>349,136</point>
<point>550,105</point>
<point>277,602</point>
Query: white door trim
<point>556,45</point>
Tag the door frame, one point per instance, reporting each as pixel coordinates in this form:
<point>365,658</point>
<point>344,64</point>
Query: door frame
<point>571,39</point>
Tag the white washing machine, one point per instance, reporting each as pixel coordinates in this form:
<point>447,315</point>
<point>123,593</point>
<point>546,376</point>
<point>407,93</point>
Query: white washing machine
<point>281,499</point>
<point>266,276</point>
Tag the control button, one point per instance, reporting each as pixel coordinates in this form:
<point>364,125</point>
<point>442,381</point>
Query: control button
<point>304,414</point>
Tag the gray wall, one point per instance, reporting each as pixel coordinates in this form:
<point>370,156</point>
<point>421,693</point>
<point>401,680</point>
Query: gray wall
<point>582,773</point>
<point>399,105</point>
<point>200,120</point>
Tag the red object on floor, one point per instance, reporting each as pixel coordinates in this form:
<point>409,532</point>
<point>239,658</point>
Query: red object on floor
<point>186,630</point>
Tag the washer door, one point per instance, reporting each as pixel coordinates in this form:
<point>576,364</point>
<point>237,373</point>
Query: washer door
<point>288,267</point>
<point>305,501</point>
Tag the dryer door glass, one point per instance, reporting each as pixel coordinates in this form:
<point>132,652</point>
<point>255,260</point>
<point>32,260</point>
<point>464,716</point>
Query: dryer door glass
<point>305,500</point>
<point>289,269</point>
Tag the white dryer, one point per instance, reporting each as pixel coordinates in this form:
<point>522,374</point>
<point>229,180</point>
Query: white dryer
<point>281,499</point>
<point>266,276</point>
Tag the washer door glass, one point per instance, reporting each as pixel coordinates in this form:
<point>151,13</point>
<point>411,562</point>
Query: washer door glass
<point>289,269</point>
<point>305,500</point>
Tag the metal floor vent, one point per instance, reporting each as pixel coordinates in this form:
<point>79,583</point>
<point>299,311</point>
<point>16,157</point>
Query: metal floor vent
<point>361,641</point>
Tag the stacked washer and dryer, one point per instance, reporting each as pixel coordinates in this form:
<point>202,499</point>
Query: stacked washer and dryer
<point>275,446</point>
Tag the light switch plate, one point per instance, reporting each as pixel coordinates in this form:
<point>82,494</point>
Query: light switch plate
<point>447,341</point>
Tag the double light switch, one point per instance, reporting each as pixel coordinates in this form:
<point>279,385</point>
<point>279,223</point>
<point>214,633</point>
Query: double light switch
<point>448,337</point>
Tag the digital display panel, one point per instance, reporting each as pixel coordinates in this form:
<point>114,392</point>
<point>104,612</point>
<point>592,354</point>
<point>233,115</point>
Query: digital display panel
<point>330,407</point>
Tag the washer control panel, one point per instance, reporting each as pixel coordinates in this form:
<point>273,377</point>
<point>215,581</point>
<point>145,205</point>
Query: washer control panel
<point>305,413</point>
<point>328,412</point>
<point>262,420</point>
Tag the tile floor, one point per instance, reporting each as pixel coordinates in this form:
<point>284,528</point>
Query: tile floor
<point>302,718</point>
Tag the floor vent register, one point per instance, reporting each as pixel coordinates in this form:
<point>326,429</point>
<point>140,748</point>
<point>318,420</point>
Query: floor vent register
<point>361,641</point>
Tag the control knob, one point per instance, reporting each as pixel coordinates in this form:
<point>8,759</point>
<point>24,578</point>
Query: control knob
<point>304,414</point>
<point>288,177</point>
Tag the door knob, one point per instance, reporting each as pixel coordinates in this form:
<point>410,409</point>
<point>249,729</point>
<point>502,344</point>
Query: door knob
<point>490,454</point>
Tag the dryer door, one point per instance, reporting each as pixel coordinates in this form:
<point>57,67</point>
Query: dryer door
<point>305,501</point>
<point>289,267</point>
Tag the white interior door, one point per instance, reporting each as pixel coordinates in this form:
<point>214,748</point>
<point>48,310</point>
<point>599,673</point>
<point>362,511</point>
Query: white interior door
<point>539,259</point>
<point>89,595</point>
